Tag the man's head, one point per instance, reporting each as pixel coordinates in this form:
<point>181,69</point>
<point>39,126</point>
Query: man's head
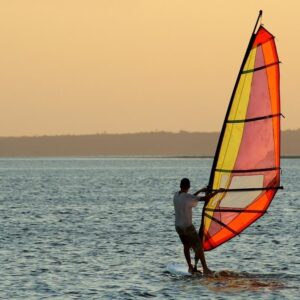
<point>185,184</point>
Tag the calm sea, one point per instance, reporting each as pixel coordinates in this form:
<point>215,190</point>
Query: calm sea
<point>102,228</point>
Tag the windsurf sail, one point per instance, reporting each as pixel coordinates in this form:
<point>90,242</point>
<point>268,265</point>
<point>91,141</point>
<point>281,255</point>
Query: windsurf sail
<point>246,165</point>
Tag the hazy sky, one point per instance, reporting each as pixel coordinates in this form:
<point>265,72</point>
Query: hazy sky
<point>84,66</point>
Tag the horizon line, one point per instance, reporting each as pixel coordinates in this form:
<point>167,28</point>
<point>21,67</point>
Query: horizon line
<point>116,133</point>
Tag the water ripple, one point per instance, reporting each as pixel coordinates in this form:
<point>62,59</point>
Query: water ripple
<point>102,228</point>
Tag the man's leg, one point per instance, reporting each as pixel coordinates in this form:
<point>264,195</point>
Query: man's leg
<point>198,249</point>
<point>199,254</point>
<point>186,247</point>
<point>186,250</point>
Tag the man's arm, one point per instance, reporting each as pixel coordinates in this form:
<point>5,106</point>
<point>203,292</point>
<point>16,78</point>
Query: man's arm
<point>203,190</point>
<point>210,195</point>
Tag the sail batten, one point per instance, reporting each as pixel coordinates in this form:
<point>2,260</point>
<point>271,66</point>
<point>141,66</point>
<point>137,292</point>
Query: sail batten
<point>246,167</point>
<point>254,119</point>
<point>247,170</point>
<point>261,67</point>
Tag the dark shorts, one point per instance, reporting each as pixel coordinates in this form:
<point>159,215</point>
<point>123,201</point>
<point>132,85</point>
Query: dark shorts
<point>189,237</point>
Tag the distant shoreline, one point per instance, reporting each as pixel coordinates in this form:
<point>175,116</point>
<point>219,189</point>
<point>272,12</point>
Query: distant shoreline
<point>118,157</point>
<point>152,144</point>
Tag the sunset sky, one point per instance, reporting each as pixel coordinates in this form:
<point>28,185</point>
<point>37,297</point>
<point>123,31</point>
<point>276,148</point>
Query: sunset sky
<point>93,66</point>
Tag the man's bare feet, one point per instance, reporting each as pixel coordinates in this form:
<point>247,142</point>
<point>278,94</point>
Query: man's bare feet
<point>191,268</point>
<point>195,270</point>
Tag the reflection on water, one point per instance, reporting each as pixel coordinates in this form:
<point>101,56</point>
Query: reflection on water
<point>233,282</point>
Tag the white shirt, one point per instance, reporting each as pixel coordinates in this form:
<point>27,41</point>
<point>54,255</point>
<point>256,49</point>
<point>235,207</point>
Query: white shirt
<point>183,204</point>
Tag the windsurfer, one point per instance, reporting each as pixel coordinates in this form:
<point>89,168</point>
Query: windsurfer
<point>183,204</point>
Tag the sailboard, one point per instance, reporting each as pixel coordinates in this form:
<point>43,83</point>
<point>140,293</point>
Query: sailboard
<point>177,269</point>
<point>246,166</point>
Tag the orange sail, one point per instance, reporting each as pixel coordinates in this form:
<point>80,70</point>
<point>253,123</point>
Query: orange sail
<point>247,159</point>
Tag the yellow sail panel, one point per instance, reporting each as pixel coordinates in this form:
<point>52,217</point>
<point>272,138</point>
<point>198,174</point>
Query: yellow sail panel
<point>241,98</point>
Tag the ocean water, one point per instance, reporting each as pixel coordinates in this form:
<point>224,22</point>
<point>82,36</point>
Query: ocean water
<point>102,228</point>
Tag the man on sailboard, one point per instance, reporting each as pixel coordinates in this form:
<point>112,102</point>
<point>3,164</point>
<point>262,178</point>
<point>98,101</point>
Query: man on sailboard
<point>183,204</point>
